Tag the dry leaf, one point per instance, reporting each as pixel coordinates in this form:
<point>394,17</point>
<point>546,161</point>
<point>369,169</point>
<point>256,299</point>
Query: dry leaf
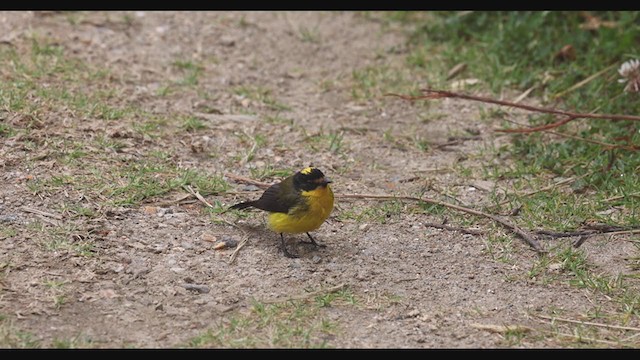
<point>150,210</point>
<point>568,52</point>
<point>464,83</point>
<point>595,23</point>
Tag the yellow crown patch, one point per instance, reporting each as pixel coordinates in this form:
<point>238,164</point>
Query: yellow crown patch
<point>306,171</point>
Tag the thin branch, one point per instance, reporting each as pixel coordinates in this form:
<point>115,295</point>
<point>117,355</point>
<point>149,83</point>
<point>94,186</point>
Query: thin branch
<point>455,228</point>
<point>538,128</point>
<point>501,329</point>
<point>506,224</point>
<point>197,195</point>
<point>607,146</point>
<point>40,212</point>
<point>584,82</point>
<point>554,234</point>
<point>588,323</point>
<point>436,94</point>
<point>549,187</point>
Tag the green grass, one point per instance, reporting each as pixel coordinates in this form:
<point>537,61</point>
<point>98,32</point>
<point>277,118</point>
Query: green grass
<point>191,71</point>
<point>261,94</point>
<point>12,337</point>
<point>193,124</point>
<point>516,51</point>
<point>291,324</point>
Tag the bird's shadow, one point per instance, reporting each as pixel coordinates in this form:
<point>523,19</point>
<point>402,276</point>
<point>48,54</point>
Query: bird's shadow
<point>295,242</point>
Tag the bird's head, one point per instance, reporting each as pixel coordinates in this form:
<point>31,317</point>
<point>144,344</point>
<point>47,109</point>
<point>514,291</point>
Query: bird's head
<point>309,179</point>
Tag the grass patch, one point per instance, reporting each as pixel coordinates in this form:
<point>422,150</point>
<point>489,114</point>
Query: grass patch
<point>292,324</point>
<point>11,337</point>
<point>518,51</point>
<point>376,80</point>
<point>190,70</point>
<point>262,95</point>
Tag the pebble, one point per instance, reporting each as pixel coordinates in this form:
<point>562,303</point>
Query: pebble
<point>316,259</point>
<point>9,218</point>
<point>202,289</point>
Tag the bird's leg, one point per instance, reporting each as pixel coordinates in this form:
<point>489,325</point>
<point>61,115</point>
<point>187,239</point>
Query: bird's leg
<point>314,242</point>
<point>284,248</point>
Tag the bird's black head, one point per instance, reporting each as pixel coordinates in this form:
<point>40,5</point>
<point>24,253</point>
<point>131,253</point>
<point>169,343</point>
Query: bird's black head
<point>309,179</point>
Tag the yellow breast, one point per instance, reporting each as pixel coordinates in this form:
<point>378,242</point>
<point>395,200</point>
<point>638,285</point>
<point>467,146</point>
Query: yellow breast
<point>299,220</point>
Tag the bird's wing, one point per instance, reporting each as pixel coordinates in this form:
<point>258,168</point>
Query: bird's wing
<point>274,200</point>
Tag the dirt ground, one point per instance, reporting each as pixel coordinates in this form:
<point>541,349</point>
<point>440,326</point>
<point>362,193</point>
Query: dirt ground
<point>415,286</point>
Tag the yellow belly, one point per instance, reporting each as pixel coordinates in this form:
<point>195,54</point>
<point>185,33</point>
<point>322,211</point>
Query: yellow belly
<point>320,203</point>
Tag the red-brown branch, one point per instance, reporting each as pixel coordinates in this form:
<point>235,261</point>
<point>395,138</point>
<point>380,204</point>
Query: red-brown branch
<point>539,128</point>
<point>437,94</point>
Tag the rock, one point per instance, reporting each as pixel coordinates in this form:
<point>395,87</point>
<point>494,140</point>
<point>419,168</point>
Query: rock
<point>316,259</point>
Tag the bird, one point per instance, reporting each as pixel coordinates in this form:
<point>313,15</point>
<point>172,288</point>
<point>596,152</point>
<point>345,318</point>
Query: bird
<point>298,204</point>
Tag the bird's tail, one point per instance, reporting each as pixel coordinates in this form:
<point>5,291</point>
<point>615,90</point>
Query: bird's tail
<point>243,205</point>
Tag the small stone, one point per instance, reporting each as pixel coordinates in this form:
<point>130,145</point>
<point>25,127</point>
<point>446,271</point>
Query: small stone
<point>227,41</point>
<point>363,227</point>
<point>202,289</point>
<point>9,218</point>
<point>316,259</point>
<point>249,188</point>
<point>556,267</point>
<point>208,237</point>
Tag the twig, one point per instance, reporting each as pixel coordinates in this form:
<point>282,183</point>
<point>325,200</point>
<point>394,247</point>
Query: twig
<point>40,212</point>
<point>619,197</point>
<point>580,241</point>
<point>202,289</point>
<point>197,195</point>
<point>506,224</point>
<point>583,82</point>
<point>588,323</point>
<point>549,187</point>
<point>584,338</point>
<point>250,153</point>
<point>537,128</point>
<point>454,228</point>
<point>525,94</point>
<point>240,246</point>
<point>501,329</point>
<point>555,234</point>
<point>247,180</point>
<point>614,230</point>
<point>627,339</point>
<point>436,94</point>
<point>308,295</point>
<point>635,231</point>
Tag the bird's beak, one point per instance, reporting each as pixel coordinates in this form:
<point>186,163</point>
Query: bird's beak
<point>327,181</point>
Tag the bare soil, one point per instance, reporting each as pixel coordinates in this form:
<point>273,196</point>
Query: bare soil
<point>415,286</point>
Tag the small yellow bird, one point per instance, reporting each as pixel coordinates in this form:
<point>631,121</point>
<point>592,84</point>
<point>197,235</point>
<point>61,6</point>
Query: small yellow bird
<point>299,203</point>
